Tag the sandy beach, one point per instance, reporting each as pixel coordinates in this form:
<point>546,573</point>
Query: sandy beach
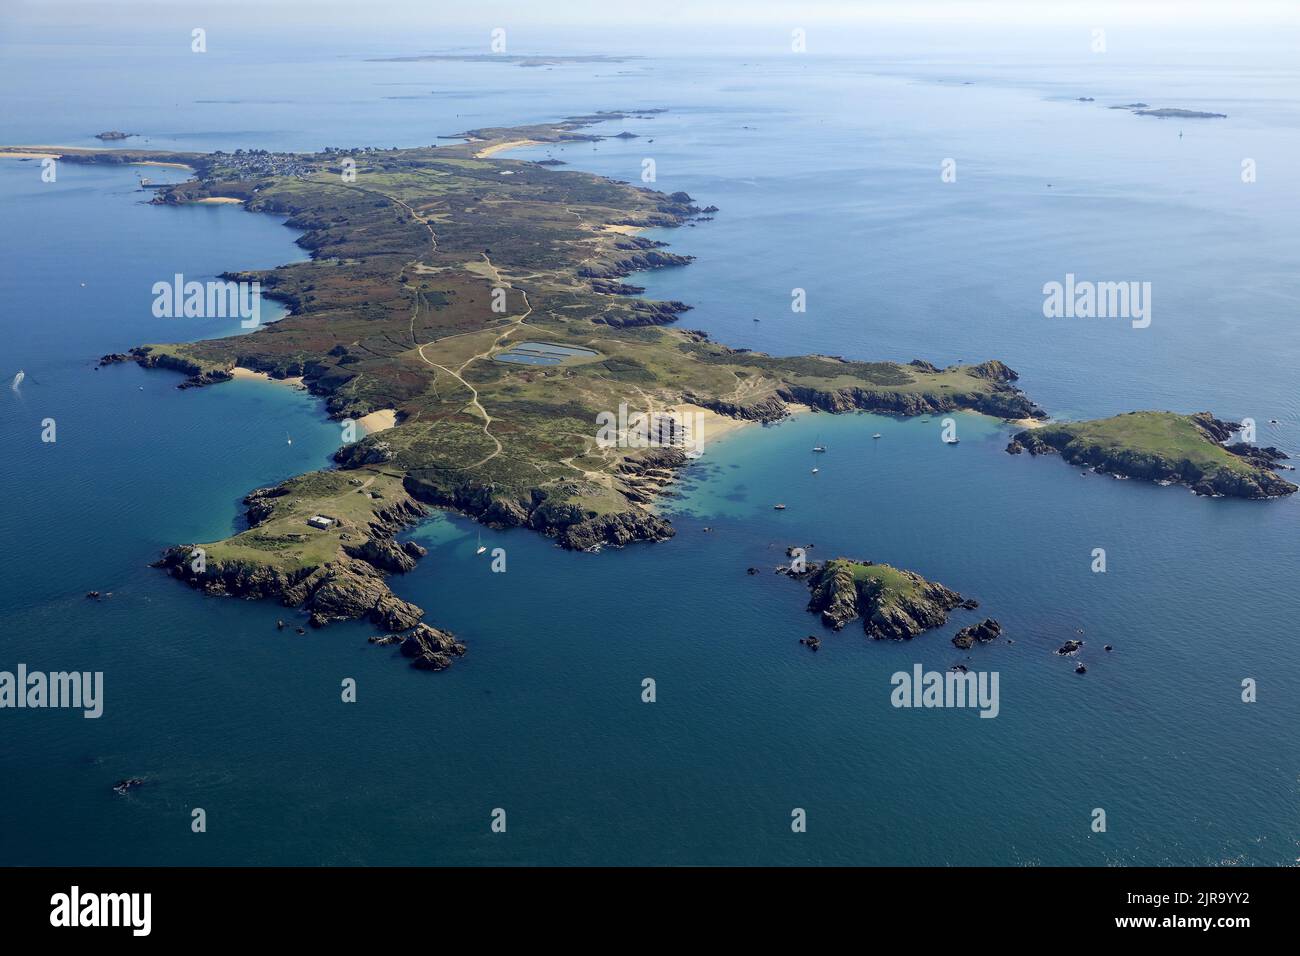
<point>623,230</point>
<point>1028,422</point>
<point>216,201</point>
<point>707,425</point>
<point>378,421</point>
<point>150,162</point>
<point>509,144</point>
<point>10,154</point>
<point>240,372</point>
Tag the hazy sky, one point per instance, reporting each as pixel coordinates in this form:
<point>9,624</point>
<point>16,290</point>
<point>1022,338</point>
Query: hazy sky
<point>476,12</point>
<point>1049,27</point>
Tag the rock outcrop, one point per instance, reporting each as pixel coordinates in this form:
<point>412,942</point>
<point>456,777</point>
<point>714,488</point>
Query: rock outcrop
<point>892,603</point>
<point>984,632</point>
<point>431,649</point>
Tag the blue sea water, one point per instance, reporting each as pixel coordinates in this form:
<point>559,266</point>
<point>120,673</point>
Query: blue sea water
<point>826,171</point>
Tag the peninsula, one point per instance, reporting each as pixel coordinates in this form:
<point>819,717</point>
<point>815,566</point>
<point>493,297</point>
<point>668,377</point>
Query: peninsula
<point>478,301</point>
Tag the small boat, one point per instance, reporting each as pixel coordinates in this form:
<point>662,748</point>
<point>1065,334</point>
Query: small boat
<point>778,507</point>
<point>288,440</point>
<point>815,470</point>
<point>877,435</point>
<point>953,441</point>
<point>481,546</point>
<point>756,320</point>
<point>18,379</point>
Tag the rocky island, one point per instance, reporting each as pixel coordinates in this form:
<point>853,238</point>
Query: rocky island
<point>430,268</point>
<point>1164,447</point>
<point>891,603</point>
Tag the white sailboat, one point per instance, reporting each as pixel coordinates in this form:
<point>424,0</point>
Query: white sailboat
<point>481,546</point>
<point>18,379</point>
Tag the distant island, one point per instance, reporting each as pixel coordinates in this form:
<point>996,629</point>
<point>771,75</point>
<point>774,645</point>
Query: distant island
<point>1180,114</point>
<point>114,134</point>
<point>1142,109</point>
<point>494,410</point>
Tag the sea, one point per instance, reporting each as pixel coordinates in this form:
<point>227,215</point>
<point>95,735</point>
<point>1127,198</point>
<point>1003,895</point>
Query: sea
<point>829,174</point>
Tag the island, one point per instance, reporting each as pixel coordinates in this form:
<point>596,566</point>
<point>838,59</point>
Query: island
<point>1166,113</point>
<point>1164,447</point>
<point>477,303</point>
<point>892,603</point>
<point>114,134</point>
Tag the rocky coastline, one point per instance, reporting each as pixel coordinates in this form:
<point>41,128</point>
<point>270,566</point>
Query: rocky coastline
<point>1196,454</point>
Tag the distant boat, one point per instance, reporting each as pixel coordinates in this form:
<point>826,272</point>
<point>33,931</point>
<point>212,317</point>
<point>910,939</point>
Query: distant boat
<point>778,507</point>
<point>815,470</point>
<point>953,441</point>
<point>18,379</point>
<point>819,447</point>
<point>481,546</point>
<point>756,320</point>
<point>877,435</point>
<point>288,440</point>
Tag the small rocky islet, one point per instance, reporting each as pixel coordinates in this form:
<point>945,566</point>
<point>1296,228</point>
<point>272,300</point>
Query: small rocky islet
<point>891,603</point>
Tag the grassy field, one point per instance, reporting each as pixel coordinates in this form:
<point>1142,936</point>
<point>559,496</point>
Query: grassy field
<point>428,263</point>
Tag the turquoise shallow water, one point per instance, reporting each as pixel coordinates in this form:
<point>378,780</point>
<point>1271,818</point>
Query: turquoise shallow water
<point>826,182</point>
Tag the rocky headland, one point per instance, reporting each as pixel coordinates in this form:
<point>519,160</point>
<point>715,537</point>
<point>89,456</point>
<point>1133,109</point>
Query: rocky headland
<point>1164,447</point>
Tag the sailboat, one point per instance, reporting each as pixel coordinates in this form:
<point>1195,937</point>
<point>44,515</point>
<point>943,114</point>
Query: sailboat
<point>877,435</point>
<point>288,440</point>
<point>18,379</point>
<point>815,470</point>
<point>819,447</point>
<point>481,546</point>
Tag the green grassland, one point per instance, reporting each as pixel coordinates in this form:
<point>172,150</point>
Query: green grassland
<point>432,260</point>
<point>1162,446</point>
